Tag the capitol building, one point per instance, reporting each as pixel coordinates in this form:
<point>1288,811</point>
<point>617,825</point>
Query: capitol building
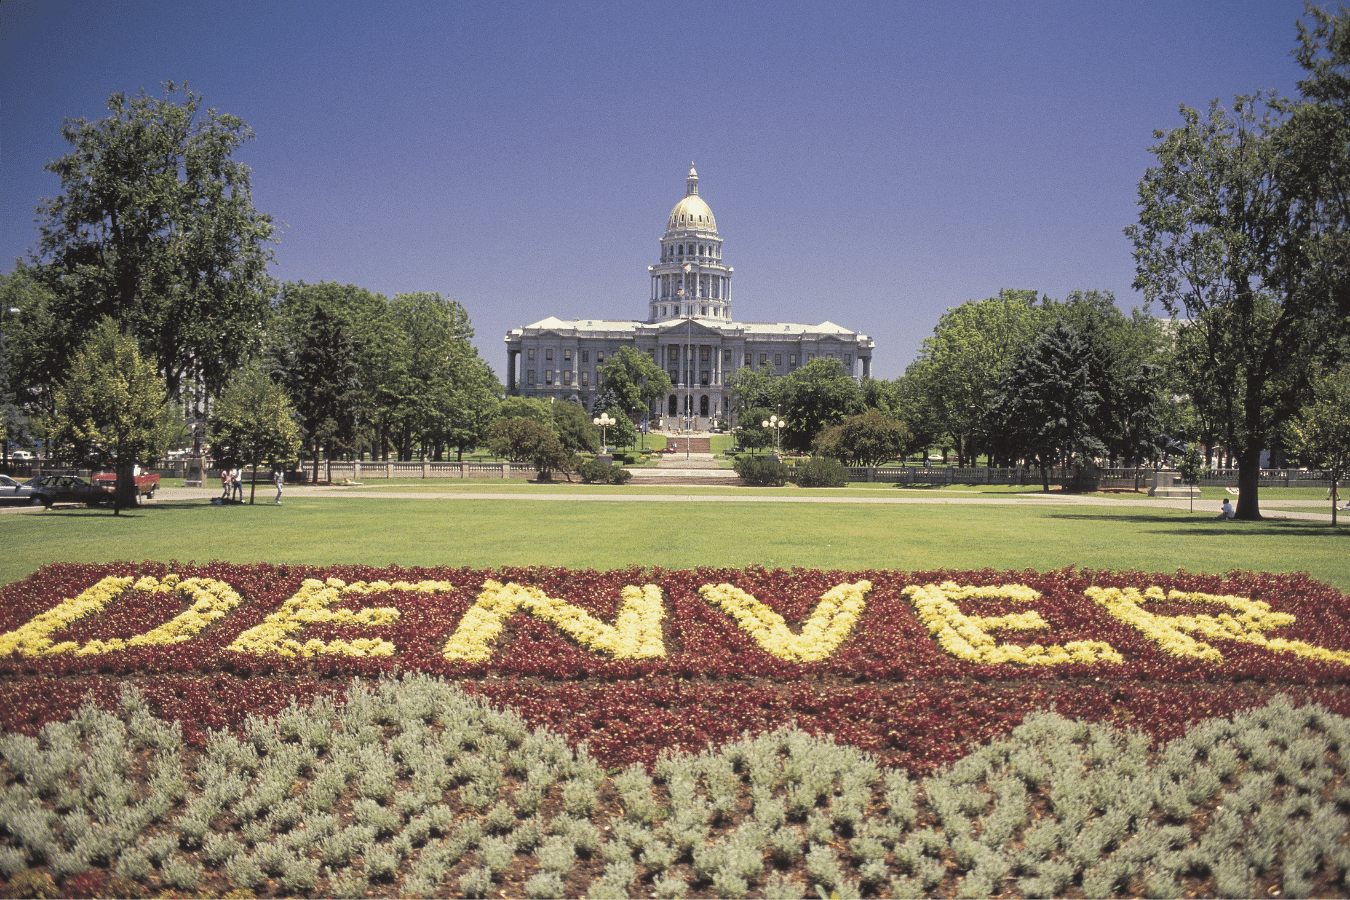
<point>689,331</point>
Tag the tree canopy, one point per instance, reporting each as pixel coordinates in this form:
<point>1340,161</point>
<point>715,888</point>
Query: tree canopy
<point>253,424</point>
<point>110,409</point>
<point>155,228</point>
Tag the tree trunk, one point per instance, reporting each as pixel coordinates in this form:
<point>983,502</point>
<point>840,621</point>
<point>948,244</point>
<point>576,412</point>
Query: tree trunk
<point>1249,482</point>
<point>124,489</point>
<point>253,488</point>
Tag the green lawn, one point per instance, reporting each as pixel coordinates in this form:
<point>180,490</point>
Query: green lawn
<point>674,534</point>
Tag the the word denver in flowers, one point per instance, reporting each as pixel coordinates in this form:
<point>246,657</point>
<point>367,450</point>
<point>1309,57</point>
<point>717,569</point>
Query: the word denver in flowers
<point>661,619</point>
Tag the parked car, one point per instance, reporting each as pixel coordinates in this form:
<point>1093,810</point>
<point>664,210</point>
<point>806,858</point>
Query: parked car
<point>146,482</point>
<point>70,489</point>
<point>14,493</point>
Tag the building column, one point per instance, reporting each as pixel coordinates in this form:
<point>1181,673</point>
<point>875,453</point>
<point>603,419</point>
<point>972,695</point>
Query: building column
<point>512,355</point>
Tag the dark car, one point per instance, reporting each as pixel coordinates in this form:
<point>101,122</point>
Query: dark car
<point>13,493</point>
<point>70,489</point>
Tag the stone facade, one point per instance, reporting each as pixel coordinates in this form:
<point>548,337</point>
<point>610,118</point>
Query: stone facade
<point>688,331</point>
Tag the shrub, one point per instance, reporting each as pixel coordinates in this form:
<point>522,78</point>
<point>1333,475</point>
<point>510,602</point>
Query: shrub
<point>593,471</point>
<point>761,471</point>
<point>822,471</point>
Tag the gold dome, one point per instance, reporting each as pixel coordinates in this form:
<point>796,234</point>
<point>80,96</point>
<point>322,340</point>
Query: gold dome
<point>691,212</point>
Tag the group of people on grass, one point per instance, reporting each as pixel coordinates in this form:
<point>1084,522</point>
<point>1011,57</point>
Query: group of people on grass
<point>232,484</point>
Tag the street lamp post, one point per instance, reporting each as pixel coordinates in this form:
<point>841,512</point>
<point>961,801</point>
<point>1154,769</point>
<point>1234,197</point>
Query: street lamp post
<point>603,421</point>
<point>777,425</point>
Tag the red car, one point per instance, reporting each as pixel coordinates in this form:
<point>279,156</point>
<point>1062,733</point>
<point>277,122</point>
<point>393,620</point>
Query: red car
<point>146,482</point>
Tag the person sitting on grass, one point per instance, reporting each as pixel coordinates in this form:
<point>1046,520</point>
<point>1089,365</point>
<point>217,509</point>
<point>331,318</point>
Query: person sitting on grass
<point>1227,511</point>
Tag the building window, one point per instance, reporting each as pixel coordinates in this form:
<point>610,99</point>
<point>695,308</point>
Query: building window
<point>848,360</point>
<point>599,356</point>
<point>663,311</point>
<point>672,352</point>
<point>792,360</point>
<point>763,359</point>
<point>529,377</point>
<point>747,359</point>
<point>548,376</point>
<point>703,377</point>
<point>777,360</point>
<point>585,356</point>
<point>529,354</point>
<point>716,284</point>
<point>585,379</point>
<point>705,353</point>
<point>674,377</point>
<point>548,354</point>
<point>726,357</point>
<point>810,356</point>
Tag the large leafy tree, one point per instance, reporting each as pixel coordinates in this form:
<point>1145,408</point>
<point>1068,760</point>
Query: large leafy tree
<point>1243,236</point>
<point>110,410</point>
<point>636,381</point>
<point>867,439</point>
<point>253,423</point>
<point>316,358</point>
<point>965,358</point>
<point>815,396</point>
<point>1048,401</point>
<point>155,229</point>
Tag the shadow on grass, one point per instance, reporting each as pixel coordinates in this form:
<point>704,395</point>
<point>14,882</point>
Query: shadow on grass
<point>1210,526</point>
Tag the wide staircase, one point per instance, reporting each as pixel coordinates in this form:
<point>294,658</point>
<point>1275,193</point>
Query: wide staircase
<point>692,463</point>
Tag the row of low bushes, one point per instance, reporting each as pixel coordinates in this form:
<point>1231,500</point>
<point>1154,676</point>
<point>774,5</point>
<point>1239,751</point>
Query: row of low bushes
<point>768,471</point>
<point>409,787</point>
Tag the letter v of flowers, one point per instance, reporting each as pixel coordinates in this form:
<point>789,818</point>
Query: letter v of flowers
<point>823,631</point>
<point>635,634</point>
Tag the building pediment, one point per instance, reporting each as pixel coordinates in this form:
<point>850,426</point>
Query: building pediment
<point>691,327</point>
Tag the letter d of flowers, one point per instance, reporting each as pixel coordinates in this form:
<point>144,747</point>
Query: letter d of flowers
<point>209,600</point>
<point>635,634</point>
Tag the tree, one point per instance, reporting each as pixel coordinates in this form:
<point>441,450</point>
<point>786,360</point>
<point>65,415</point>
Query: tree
<point>868,439</point>
<point>963,361</point>
<point>1322,430</point>
<point>532,408</point>
<point>573,427</point>
<point>1235,236</point>
<point>155,229</point>
<point>754,389</point>
<point>816,395</point>
<point>110,410</point>
<point>622,433</point>
<point>1047,401</point>
<point>253,423</point>
<point>317,364</point>
<point>1190,468</point>
<point>751,434</point>
<point>515,438</point>
<point>635,380</point>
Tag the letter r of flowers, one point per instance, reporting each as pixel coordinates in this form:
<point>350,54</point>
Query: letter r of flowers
<point>1247,623</point>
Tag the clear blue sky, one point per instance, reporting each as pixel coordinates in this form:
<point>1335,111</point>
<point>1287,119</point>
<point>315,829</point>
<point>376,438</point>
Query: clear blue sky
<point>868,163</point>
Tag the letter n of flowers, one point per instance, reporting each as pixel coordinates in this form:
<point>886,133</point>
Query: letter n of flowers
<point>635,634</point>
<point>970,637</point>
<point>823,631</point>
<point>311,606</point>
<point>1253,618</point>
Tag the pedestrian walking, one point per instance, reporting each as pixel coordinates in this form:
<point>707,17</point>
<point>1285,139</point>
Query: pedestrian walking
<point>238,480</point>
<point>280,478</point>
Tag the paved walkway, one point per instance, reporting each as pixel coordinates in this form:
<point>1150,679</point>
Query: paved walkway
<point>1308,510</point>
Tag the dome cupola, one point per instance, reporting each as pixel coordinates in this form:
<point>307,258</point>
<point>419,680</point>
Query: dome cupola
<point>691,280</point>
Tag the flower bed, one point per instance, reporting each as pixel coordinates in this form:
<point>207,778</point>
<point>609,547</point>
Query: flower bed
<point>913,666</point>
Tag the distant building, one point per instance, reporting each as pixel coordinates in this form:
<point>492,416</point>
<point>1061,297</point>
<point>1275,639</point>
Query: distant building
<point>689,331</point>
